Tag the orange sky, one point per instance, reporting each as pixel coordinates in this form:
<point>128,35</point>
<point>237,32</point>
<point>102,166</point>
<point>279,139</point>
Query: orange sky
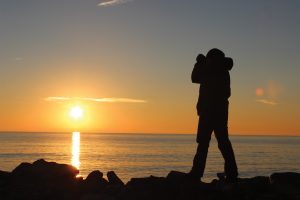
<point>157,115</point>
<point>144,51</point>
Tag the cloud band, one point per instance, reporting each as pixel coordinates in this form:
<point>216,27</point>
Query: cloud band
<point>113,2</point>
<point>101,100</point>
<point>268,102</point>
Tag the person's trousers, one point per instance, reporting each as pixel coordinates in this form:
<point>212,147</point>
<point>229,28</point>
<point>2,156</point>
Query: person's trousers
<point>215,119</point>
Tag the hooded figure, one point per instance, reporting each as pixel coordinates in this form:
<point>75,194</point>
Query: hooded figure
<point>212,73</point>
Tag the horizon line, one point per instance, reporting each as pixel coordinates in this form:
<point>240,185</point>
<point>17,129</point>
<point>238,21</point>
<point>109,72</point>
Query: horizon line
<point>151,133</point>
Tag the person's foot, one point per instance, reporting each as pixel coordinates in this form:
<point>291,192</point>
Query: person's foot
<point>221,176</point>
<point>194,177</point>
<point>227,178</point>
<point>231,179</point>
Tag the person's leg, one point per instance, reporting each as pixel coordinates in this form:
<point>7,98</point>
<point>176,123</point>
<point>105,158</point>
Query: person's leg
<point>203,139</point>
<point>224,144</point>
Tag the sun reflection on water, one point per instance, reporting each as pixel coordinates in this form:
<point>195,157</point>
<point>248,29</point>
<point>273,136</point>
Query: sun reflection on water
<point>76,149</point>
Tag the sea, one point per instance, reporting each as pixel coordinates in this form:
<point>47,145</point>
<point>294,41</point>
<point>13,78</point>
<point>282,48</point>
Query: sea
<point>142,155</point>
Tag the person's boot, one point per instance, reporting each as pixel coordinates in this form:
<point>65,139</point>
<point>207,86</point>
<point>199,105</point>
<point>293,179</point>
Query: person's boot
<point>194,176</point>
<point>231,179</point>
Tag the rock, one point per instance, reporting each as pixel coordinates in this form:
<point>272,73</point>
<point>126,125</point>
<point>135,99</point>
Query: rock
<point>185,186</point>
<point>53,168</point>
<point>250,188</point>
<point>151,181</point>
<point>258,183</point>
<point>286,184</point>
<point>22,169</point>
<point>146,188</point>
<point>50,180</point>
<point>94,183</point>
<point>94,176</point>
<point>96,197</point>
<point>113,179</point>
<point>42,169</point>
<point>4,176</point>
<point>43,179</point>
<point>288,178</point>
<point>176,177</point>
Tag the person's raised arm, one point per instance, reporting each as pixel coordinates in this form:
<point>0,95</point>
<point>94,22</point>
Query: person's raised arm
<point>197,73</point>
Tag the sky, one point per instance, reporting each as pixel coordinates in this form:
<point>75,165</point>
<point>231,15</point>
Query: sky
<point>127,64</point>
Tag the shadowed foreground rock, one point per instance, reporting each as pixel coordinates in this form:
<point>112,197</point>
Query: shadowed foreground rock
<point>50,180</point>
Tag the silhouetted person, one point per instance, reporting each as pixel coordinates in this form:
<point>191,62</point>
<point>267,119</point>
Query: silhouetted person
<point>212,73</point>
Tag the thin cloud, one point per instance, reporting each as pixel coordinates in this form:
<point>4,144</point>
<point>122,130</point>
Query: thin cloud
<point>101,100</point>
<point>19,59</point>
<point>113,2</point>
<point>268,102</point>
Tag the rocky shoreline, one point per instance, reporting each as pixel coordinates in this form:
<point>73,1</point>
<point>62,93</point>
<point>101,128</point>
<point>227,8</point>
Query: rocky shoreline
<point>50,180</point>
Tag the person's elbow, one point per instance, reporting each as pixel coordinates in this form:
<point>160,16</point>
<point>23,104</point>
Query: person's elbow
<point>195,79</point>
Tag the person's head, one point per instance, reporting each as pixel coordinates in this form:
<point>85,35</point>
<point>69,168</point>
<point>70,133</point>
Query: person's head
<point>200,58</point>
<point>217,57</point>
<point>215,54</point>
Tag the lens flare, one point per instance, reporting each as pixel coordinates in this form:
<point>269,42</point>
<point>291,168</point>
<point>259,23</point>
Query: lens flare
<point>259,92</point>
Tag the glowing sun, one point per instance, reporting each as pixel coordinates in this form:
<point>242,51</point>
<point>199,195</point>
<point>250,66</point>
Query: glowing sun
<point>76,112</point>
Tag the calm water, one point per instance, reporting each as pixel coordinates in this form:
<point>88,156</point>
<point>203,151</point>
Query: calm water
<point>141,155</point>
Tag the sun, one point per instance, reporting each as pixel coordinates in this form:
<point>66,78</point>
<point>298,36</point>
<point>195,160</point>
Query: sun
<point>76,112</point>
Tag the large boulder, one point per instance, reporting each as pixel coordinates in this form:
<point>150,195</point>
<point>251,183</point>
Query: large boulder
<point>43,179</point>
<point>43,170</point>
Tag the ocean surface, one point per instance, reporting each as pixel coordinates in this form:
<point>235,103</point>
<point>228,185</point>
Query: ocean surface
<point>140,155</point>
